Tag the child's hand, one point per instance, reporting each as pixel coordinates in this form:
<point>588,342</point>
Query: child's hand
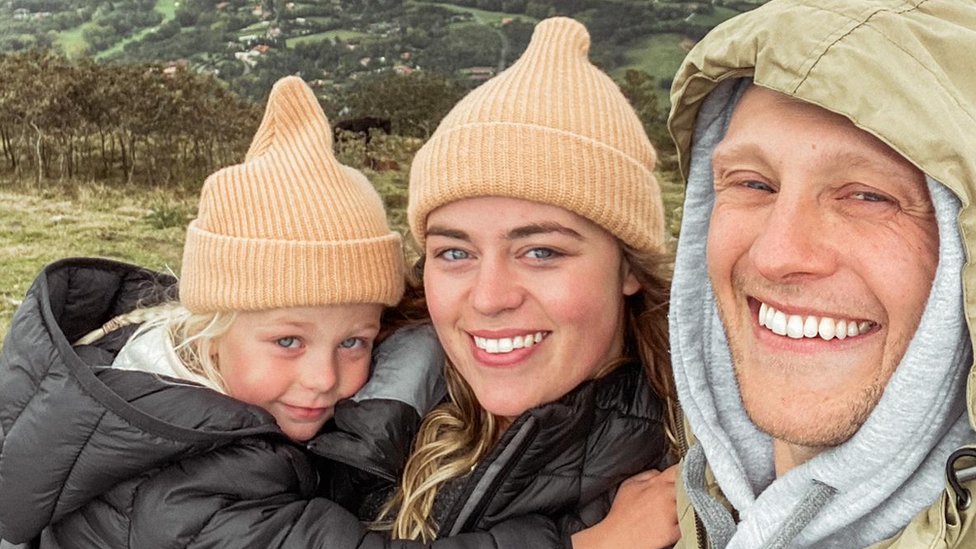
<point>643,515</point>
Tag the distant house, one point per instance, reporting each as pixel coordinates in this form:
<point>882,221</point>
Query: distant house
<point>273,32</point>
<point>402,70</point>
<point>406,56</point>
<point>249,58</point>
<point>261,49</point>
<point>365,61</point>
<point>22,13</point>
<point>222,6</point>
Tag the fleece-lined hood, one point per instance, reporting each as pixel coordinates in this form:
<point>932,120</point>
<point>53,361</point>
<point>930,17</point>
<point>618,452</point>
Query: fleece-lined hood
<point>898,70</point>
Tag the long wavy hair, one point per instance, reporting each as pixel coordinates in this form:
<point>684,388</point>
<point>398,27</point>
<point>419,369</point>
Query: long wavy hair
<point>457,435</point>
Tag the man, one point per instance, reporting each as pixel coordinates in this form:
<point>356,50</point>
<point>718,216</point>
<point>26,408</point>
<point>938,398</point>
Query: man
<point>821,361</point>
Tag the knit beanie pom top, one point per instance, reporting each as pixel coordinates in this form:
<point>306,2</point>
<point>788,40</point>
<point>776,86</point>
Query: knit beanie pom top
<point>290,226</point>
<point>553,129</point>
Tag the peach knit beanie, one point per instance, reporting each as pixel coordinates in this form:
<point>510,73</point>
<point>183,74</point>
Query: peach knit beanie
<point>290,226</point>
<point>554,129</point>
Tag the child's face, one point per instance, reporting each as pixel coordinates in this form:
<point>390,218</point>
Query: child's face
<point>297,362</point>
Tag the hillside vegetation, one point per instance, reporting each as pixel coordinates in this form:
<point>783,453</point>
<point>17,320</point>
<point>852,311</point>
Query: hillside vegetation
<point>251,43</point>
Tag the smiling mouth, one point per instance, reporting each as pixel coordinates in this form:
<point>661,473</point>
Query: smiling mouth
<point>509,344</point>
<point>307,411</point>
<point>810,326</point>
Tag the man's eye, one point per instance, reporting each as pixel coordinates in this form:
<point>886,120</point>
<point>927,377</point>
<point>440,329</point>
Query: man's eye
<point>453,254</point>
<point>352,343</point>
<point>288,342</point>
<point>869,197</point>
<point>757,185</point>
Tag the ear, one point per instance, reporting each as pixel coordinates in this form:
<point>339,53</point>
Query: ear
<point>630,283</point>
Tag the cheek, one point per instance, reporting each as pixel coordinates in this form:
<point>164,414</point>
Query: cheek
<point>354,377</point>
<point>725,242</point>
<point>441,297</point>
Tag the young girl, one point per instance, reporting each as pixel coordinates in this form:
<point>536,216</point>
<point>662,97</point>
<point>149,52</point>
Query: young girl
<point>286,271</point>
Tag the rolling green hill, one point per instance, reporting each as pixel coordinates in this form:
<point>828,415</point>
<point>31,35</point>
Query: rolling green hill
<point>250,43</point>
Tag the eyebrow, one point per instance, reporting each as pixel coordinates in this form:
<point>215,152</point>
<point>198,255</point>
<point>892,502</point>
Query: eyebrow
<point>833,157</point>
<point>724,152</point>
<point>524,231</point>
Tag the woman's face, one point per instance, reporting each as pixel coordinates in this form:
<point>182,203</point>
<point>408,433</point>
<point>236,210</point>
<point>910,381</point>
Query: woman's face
<point>526,298</point>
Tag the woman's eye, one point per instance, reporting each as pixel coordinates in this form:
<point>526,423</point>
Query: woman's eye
<point>542,253</point>
<point>352,343</point>
<point>288,342</point>
<point>453,254</point>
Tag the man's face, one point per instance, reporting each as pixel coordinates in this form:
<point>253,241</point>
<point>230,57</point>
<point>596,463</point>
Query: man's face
<point>822,249</point>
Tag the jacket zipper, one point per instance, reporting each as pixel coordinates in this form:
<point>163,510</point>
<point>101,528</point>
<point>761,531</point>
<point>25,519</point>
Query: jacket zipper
<point>472,509</point>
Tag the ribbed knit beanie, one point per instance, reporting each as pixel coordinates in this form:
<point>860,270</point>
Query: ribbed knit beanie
<point>554,129</point>
<point>290,226</point>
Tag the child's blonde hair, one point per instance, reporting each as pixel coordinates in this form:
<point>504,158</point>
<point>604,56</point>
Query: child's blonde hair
<point>190,335</point>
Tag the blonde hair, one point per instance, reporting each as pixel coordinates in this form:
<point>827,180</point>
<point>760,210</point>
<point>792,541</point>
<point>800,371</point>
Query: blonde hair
<point>458,434</point>
<point>191,335</point>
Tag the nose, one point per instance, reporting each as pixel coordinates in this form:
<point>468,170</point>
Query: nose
<point>496,288</point>
<point>795,240</point>
<point>319,373</point>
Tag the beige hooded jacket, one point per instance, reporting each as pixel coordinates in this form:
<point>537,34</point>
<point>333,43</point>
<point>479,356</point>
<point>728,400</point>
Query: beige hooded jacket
<point>905,71</point>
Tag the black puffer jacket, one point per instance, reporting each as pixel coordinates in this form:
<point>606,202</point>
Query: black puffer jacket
<point>96,457</point>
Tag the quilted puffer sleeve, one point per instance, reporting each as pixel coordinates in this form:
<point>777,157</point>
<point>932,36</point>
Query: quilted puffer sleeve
<point>257,494</point>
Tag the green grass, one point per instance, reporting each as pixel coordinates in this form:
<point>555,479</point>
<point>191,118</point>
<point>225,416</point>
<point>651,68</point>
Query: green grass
<point>659,55</point>
<point>72,42</point>
<point>82,220</point>
<point>493,18</point>
<point>721,14</point>
<point>258,27</point>
<point>331,35</point>
<point>165,7</point>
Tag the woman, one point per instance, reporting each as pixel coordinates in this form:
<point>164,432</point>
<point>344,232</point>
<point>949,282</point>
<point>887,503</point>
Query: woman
<point>542,229</point>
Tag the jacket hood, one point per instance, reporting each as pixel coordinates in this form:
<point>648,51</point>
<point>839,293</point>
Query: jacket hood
<point>883,65</point>
<point>79,426</point>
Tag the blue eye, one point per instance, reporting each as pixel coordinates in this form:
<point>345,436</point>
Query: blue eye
<point>542,253</point>
<point>288,342</point>
<point>453,254</point>
<point>352,343</point>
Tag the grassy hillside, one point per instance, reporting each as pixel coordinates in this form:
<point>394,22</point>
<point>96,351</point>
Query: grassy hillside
<point>141,226</point>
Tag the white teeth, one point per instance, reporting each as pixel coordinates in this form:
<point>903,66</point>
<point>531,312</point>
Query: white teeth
<point>810,327</point>
<point>508,344</point>
<point>826,328</point>
<point>794,327</point>
<point>798,327</point>
<point>779,323</point>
